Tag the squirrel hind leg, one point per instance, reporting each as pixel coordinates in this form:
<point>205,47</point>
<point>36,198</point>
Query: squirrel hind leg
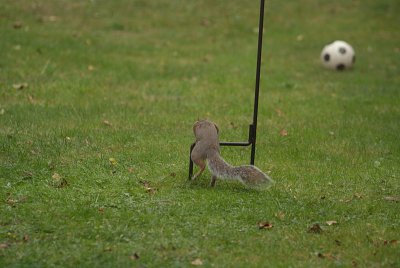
<point>213,180</point>
<point>202,165</point>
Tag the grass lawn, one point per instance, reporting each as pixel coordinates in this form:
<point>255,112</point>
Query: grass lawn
<point>97,102</point>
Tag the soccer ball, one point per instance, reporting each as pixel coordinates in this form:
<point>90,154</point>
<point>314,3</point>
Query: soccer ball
<point>338,55</point>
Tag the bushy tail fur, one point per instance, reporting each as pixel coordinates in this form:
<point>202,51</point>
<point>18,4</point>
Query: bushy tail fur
<point>247,174</point>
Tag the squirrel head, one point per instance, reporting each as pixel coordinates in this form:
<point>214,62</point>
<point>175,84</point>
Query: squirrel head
<point>203,128</point>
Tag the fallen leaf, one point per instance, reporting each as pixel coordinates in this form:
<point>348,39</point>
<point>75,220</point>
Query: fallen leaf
<point>280,215</point>
<point>355,196</point>
<point>265,225</point>
<point>49,18</point>
<point>11,202</point>
<point>107,249</point>
<point>390,242</point>
<point>17,25</point>
<point>20,86</point>
<point>56,176</point>
<point>58,181</point>
<point>112,160</point>
<point>25,238</point>
<point>315,228</point>
<point>145,183</point>
<point>331,223</point>
<point>31,99</point>
<point>27,175</point>
<point>147,187</point>
<point>22,199</point>
<point>392,198</point>
<point>283,132</point>
<point>173,174</point>
<point>150,190</point>
<point>300,37</point>
<point>205,22</point>
<point>107,123</point>
<point>134,256</point>
<point>101,210</point>
<point>197,262</point>
<point>2,111</point>
<point>329,256</point>
<point>279,112</point>
<point>130,169</point>
<point>90,68</point>
<point>4,245</point>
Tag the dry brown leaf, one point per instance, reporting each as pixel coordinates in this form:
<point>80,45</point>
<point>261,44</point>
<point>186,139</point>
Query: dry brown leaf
<point>90,68</point>
<point>265,225</point>
<point>4,245</point>
<point>58,181</point>
<point>107,123</point>
<point>279,112</point>
<point>280,215</point>
<point>205,23</point>
<point>145,183</point>
<point>150,190</point>
<point>17,25</point>
<point>134,256</point>
<point>112,161</point>
<point>56,176</point>
<point>31,99</point>
<point>329,256</point>
<point>11,202</point>
<point>101,210</point>
<point>147,187</point>
<point>25,238</point>
<point>390,242</point>
<point>283,132</point>
<point>315,228</point>
<point>392,198</point>
<point>300,37</point>
<point>331,223</point>
<point>20,86</point>
<point>197,262</point>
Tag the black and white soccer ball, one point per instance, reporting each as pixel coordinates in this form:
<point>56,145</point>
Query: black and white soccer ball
<point>338,55</point>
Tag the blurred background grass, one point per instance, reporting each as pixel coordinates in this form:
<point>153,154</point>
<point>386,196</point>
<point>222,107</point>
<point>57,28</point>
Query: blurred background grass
<point>127,79</point>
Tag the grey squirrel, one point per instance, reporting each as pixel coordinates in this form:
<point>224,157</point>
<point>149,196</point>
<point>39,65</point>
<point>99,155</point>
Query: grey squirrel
<point>207,149</point>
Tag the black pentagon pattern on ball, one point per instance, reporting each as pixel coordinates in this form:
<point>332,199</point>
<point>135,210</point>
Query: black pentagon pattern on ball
<point>342,50</point>
<point>327,57</point>
<point>340,67</point>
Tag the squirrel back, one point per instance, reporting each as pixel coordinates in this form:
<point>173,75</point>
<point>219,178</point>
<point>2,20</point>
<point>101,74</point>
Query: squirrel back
<point>207,149</point>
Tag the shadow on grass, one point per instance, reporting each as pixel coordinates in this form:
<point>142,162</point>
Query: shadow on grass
<point>224,185</point>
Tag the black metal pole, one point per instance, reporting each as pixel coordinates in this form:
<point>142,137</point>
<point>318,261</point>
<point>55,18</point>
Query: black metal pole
<point>253,127</point>
<point>257,86</point>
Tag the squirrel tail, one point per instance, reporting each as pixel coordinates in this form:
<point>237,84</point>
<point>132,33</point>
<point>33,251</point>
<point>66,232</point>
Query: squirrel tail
<point>249,175</point>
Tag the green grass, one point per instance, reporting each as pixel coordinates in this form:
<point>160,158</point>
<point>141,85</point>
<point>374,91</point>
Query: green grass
<point>127,79</point>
